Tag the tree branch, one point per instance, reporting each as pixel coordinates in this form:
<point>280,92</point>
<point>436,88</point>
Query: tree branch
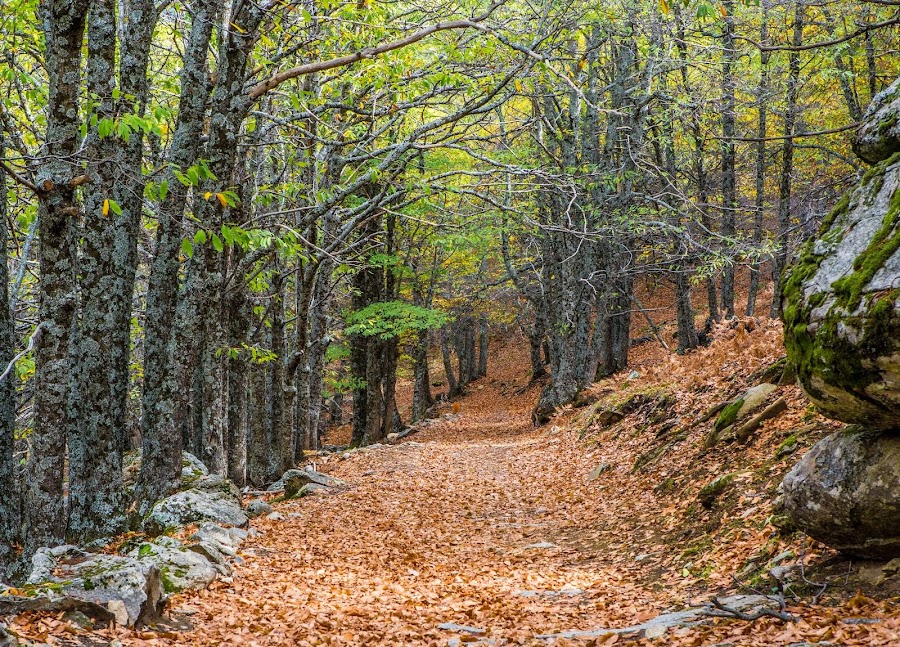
<point>18,178</point>
<point>275,80</point>
<point>828,43</point>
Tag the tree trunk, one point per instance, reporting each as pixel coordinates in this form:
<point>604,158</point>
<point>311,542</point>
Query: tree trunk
<point>238,368</point>
<point>96,497</point>
<point>259,448</point>
<point>44,505</point>
<point>453,388</point>
<point>760,198</point>
<point>167,377</point>
<point>729,179</point>
<point>687,333</point>
<point>787,160</point>
<point>10,504</point>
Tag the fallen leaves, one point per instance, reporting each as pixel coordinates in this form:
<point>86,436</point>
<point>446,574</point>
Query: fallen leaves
<point>452,529</point>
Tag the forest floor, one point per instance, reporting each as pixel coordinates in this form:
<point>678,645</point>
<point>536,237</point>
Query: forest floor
<point>484,521</point>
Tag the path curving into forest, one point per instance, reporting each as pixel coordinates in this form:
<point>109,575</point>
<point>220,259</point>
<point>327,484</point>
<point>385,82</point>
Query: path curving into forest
<point>468,523</point>
<point>479,529</point>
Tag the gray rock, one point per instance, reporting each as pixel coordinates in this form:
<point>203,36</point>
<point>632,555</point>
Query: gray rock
<point>275,516</point>
<point>226,540</point>
<point>215,504</point>
<point>842,306</point>
<point>192,468</point>
<point>258,508</point>
<point>131,589</point>
<point>844,493</point>
<point>878,136</point>
<point>452,626</point>
<point>754,398</point>
<point>294,480</point>
<point>6,638</point>
<point>180,569</point>
<point>213,555</point>
<point>310,489</point>
<point>598,471</point>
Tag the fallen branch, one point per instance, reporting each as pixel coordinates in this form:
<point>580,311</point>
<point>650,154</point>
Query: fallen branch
<point>745,431</point>
<point>14,605</point>
<point>715,609</point>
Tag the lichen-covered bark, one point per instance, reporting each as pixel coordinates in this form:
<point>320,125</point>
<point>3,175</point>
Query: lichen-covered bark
<point>44,505</point>
<point>128,189</point>
<point>10,511</point>
<point>161,434</point>
<point>96,497</point>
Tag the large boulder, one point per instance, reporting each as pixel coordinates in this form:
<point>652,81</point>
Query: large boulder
<point>842,306</point>
<point>845,492</point>
<point>131,589</point>
<point>211,499</point>
<point>879,135</point>
<point>180,567</point>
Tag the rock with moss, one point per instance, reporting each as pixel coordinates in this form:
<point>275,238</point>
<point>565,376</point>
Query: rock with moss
<point>129,588</point>
<point>879,134</point>
<point>216,503</point>
<point>844,492</point>
<point>180,568</point>
<point>842,305</point>
<point>714,489</point>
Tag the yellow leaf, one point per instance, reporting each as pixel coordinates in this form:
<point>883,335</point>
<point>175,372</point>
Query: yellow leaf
<point>207,195</point>
<point>664,7</point>
<point>723,11</point>
<point>222,200</point>
<point>105,208</point>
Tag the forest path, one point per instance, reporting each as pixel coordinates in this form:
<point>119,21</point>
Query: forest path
<point>471,522</point>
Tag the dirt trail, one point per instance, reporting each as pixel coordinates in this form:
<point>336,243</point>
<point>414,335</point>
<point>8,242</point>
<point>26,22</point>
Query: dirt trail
<point>483,521</point>
<point>465,524</point>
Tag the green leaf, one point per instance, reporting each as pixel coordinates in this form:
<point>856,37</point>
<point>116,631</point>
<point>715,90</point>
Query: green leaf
<point>187,248</point>
<point>217,243</point>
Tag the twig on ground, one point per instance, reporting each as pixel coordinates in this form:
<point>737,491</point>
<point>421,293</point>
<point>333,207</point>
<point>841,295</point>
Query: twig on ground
<point>716,609</point>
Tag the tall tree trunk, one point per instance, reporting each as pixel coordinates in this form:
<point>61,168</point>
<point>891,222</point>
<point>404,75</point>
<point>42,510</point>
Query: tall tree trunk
<point>167,377</point>
<point>535,341</point>
<point>128,189</point>
<point>422,398</point>
<point>787,159</point>
<point>44,505</point>
<point>10,504</point>
<point>238,369</point>
<point>729,179</point>
<point>318,332</point>
<point>260,448</point>
<point>687,333</point>
<point>96,496</point>
<point>280,405</point>
<point>453,388</point>
<point>760,197</point>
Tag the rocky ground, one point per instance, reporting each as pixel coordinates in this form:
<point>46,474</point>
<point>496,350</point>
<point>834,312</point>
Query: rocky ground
<point>480,528</point>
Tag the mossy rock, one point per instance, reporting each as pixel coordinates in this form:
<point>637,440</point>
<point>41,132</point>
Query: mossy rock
<point>713,490</point>
<point>729,415</point>
<point>842,305</point>
<point>879,134</point>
